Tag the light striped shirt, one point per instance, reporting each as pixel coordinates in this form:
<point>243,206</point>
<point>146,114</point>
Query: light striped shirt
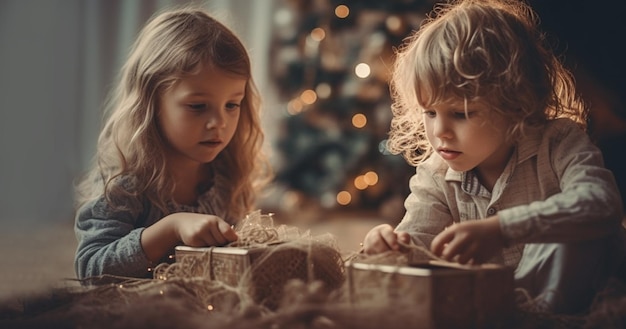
<point>554,189</point>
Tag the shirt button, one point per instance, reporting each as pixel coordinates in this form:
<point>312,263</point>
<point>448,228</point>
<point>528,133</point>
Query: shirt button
<point>491,211</point>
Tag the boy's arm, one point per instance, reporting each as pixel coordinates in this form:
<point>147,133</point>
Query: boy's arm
<point>588,205</point>
<point>427,213</point>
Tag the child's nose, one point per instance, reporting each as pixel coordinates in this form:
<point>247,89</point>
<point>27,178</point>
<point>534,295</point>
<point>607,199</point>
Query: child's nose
<point>441,128</point>
<point>217,119</point>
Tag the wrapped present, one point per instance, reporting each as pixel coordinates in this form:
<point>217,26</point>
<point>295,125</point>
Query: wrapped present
<point>262,267</point>
<point>439,294</point>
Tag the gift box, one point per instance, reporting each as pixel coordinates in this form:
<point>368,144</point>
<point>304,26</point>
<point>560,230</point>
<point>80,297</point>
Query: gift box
<point>263,271</point>
<point>439,294</point>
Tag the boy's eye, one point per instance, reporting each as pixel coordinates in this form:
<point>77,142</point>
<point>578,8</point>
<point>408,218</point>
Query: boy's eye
<point>430,114</point>
<point>463,115</point>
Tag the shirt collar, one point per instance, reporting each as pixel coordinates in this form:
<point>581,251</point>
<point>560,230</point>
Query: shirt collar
<point>525,148</point>
<point>469,182</point>
<point>528,145</point>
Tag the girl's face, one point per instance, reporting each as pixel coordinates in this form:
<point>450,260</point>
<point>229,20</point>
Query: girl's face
<point>199,114</point>
<point>468,141</point>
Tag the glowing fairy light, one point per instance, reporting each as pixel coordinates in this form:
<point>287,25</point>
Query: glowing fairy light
<point>308,97</point>
<point>393,23</point>
<point>359,120</point>
<point>371,178</point>
<point>344,198</point>
<point>294,106</point>
<point>318,34</point>
<point>209,307</point>
<point>360,183</point>
<point>323,90</point>
<point>362,70</point>
<point>342,11</point>
<point>283,17</point>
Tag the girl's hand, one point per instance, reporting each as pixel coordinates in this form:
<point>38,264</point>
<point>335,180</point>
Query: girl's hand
<point>469,242</point>
<point>383,238</point>
<point>199,230</point>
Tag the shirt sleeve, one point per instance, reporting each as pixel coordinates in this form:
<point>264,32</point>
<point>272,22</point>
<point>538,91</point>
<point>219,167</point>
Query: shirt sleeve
<point>108,242</point>
<point>427,212</point>
<point>588,205</point>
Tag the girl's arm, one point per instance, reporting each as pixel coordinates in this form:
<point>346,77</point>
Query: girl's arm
<point>195,230</point>
<point>108,242</point>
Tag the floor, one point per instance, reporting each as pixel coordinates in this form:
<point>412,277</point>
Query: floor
<point>34,260</point>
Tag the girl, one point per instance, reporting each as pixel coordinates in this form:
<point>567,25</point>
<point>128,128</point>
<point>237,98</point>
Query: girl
<point>504,172</point>
<point>179,157</point>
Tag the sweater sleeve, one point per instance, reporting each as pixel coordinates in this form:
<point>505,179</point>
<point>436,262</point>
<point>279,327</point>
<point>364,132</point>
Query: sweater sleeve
<point>108,242</point>
<point>588,205</point>
<point>427,211</point>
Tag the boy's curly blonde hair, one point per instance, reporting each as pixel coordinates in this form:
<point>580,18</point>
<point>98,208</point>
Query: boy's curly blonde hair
<point>478,50</point>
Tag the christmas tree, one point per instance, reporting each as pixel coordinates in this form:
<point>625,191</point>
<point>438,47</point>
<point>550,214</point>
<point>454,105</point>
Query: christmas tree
<point>331,63</point>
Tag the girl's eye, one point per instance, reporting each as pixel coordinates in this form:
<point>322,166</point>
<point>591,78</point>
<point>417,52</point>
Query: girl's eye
<point>197,107</point>
<point>232,106</point>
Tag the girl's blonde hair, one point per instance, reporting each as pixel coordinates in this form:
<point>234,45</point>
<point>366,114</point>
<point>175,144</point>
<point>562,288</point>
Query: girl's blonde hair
<point>131,162</point>
<point>478,50</point>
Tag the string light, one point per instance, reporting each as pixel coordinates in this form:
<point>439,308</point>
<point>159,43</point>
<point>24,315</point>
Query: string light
<point>308,97</point>
<point>342,11</point>
<point>359,120</point>
<point>323,90</point>
<point>344,198</point>
<point>209,307</point>
<point>371,178</point>
<point>295,106</point>
<point>360,183</point>
<point>393,23</point>
<point>318,34</point>
<point>362,70</point>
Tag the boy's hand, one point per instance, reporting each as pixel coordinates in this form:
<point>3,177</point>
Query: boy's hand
<point>473,241</point>
<point>199,230</point>
<point>383,238</point>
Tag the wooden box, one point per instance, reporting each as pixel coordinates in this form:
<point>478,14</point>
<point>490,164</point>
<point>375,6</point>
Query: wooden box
<point>440,294</point>
<point>264,271</point>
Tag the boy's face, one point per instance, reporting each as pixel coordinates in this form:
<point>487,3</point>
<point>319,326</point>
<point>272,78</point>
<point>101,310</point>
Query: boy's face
<point>475,139</point>
<point>198,115</point>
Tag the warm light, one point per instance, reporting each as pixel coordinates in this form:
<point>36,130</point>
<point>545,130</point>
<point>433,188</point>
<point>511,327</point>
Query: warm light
<point>342,11</point>
<point>210,307</point>
<point>295,106</point>
<point>393,23</point>
<point>360,183</point>
<point>323,90</point>
<point>318,34</point>
<point>283,17</point>
<point>359,120</point>
<point>362,70</point>
<point>308,97</point>
<point>344,198</point>
<point>371,178</point>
